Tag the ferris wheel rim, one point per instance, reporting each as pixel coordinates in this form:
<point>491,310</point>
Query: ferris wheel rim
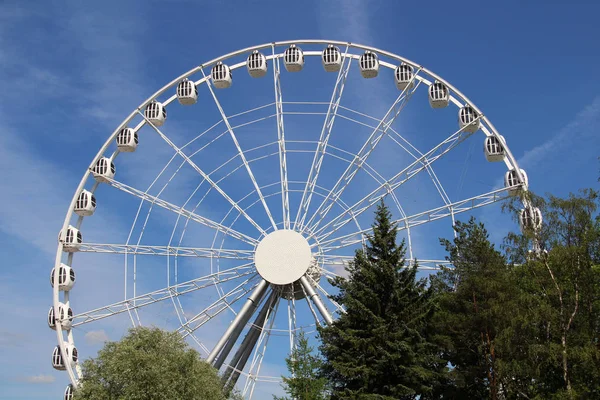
<point>488,128</point>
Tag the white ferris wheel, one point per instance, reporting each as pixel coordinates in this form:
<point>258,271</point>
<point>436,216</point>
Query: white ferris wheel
<point>249,196</point>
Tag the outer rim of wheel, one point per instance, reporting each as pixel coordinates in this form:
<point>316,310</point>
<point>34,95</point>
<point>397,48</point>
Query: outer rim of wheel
<point>456,97</point>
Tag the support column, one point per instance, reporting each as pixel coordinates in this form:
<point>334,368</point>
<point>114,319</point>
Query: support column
<point>241,356</point>
<point>223,347</point>
<point>312,295</point>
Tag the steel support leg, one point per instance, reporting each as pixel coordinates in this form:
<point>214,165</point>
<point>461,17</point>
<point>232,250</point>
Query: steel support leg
<point>223,347</point>
<point>314,297</point>
<point>240,358</point>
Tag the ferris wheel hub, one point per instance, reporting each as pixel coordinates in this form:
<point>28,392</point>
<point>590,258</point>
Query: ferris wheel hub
<point>282,257</point>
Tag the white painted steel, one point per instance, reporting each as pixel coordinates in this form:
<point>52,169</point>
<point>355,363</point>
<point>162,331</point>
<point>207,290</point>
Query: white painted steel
<point>282,257</point>
<point>325,238</point>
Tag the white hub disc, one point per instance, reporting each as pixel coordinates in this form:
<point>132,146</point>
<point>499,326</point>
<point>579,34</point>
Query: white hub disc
<point>282,257</point>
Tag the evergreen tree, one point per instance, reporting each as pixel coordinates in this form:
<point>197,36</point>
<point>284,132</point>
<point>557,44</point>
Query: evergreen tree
<point>304,382</point>
<point>475,304</point>
<point>149,364</point>
<point>377,349</point>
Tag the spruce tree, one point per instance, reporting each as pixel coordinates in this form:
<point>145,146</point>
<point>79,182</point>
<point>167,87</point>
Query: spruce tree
<point>377,349</point>
<point>304,382</point>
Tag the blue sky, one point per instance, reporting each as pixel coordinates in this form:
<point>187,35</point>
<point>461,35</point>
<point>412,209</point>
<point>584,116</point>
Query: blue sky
<point>72,72</point>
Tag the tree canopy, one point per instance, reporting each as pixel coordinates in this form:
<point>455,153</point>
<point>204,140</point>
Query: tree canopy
<point>304,366</point>
<point>148,364</point>
<point>378,348</point>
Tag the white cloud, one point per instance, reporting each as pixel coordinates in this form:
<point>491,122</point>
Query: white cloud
<point>40,379</point>
<point>95,337</point>
<point>584,125</point>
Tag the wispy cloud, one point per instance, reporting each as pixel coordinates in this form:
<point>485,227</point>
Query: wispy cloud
<point>39,379</point>
<point>576,132</point>
<point>95,337</point>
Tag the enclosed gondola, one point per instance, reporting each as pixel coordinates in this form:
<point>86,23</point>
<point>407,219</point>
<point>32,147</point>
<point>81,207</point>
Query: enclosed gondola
<point>439,95</point>
<point>493,148</point>
<point>331,58</point>
<point>85,204</point>
<point>221,76</point>
<point>404,76</point>
<point>468,119</point>
<point>71,240</point>
<point>127,140</point>
<point>104,170</point>
<point>293,59</point>
<point>512,181</point>
<point>256,64</point>
<point>66,277</point>
<point>156,113</point>
<point>187,92</point>
<point>369,64</point>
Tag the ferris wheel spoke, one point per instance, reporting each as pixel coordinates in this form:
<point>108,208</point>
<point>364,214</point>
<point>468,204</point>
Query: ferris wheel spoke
<point>172,251</point>
<point>363,154</point>
<point>342,261</point>
<point>260,351</point>
<point>226,301</point>
<point>163,294</point>
<point>315,168</point>
<point>240,152</point>
<point>204,175</point>
<point>419,219</point>
<point>285,201</point>
<point>396,181</point>
<point>181,211</point>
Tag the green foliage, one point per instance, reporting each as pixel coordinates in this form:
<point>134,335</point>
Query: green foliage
<point>304,366</point>
<point>562,291</point>
<point>148,364</point>
<point>529,327</point>
<point>475,301</point>
<point>378,349</point>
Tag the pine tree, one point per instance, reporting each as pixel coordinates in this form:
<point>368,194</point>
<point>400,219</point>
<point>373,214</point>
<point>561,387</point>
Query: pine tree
<point>476,303</point>
<point>304,382</point>
<point>377,348</point>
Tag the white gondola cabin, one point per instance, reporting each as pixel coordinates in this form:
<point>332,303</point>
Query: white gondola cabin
<point>104,170</point>
<point>403,76</point>
<point>511,179</point>
<point>439,95</point>
<point>369,65</point>
<point>127,140</point>
<point>221,76</point>
<point>69,392</point>
<point>66,318</point>
<point>468,119</point>
<point>331,58</point>
<point>187,92</point>
<point>85,204</point>
<point>257,64</point>
<point>59,362</point>
<point>530,219</point>
<point>66,277</point>
<point>536,254</point>
<point>494,148</point>
<point>71,239</point>
<point>293,59</point>
<point>156,113</point>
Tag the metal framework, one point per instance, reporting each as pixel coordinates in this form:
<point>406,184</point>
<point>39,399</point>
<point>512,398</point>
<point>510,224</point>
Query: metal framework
<point>329,210</point>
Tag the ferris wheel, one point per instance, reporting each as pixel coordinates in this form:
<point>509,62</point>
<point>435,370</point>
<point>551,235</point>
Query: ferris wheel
<point>224,221</point>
